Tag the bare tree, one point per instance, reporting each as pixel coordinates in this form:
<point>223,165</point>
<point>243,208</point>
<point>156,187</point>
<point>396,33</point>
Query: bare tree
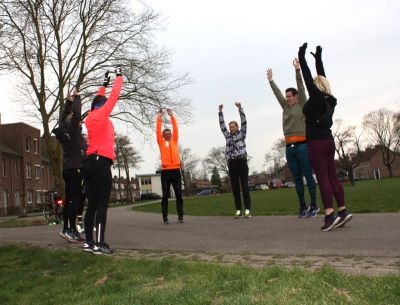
<point>189,162</point>
<point>275,159</point>
<point>216,158</point>
<point>54,44</point>
<point>382,127</point>
<point>126,158</point>
<point>348,147</point>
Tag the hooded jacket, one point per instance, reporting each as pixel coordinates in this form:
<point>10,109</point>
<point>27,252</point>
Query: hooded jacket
<point>319,108</point>
<point>69,134</point>
<point>99,126</point>
<point>169,152</point>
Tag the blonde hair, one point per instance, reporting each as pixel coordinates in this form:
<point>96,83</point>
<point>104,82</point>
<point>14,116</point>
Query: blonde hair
<point>322,84</point>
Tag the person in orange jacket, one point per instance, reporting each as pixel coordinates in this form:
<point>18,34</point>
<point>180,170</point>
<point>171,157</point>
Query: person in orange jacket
<point>170,165</point>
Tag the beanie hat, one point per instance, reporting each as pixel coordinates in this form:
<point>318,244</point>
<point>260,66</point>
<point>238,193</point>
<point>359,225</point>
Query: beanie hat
<point>98,101</point>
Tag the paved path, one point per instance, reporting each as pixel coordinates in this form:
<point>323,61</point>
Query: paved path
<point>369,244</point>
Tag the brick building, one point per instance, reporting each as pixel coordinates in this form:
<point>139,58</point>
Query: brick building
<point>26,176</point>
<point>372,167</point>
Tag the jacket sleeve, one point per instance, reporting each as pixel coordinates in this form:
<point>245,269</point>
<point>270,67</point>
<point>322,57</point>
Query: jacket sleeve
<point>278,94</point>
<point>76,111</point>
<point>175,133</point>
<point>108,107</point>
<point>222,124</point>
<point>312,89</point>
<point>66,111</point>
<point>300,88</point>
<point>158,130</point>
<point>243,122</point>
<point>319,66</point>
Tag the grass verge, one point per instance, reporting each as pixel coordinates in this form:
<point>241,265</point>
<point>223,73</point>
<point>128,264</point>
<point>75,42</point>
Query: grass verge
<point>32,275</point>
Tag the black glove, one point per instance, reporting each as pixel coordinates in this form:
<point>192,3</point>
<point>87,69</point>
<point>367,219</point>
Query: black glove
<point>318,52</point>
<point>106,80</point>
<point>118,70</point>
<point>302,50</point>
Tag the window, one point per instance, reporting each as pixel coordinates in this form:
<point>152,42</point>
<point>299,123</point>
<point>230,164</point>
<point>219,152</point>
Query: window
<point>16,169</point>
<point>35,146</point>
<point>146,181</point>
<point>29,194</point>
<point>37,171</point>
<point>3,167</point>
<point>28,168</point>
<point>38,197</point>
<point>5,199</point>
<point>16,199</point>
<point>28,143</point>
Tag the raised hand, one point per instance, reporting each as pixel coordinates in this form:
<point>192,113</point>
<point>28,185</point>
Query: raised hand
<point>318,52</point>
<point>269,74</point>
<point>169,111</point>
<point>302,49</point>
<point>296,64</point>
<point>106,79</point>
<point>221,107</point>
<point>160,112</point>
<point>118,70</point>
<point>238,104</point>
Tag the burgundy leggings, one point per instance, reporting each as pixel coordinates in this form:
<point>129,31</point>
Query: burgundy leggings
<point>322,157</point>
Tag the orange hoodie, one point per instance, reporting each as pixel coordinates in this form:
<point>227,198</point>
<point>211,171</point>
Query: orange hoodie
<point>169,154</point>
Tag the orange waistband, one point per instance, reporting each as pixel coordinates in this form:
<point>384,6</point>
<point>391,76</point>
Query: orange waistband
<point>294,139</point>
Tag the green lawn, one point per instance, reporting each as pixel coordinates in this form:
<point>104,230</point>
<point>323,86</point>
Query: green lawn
<point>365,197</point>
<point>31,275</point>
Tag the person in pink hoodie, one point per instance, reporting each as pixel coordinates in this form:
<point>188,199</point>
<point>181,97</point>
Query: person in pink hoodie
<point>97,165</point>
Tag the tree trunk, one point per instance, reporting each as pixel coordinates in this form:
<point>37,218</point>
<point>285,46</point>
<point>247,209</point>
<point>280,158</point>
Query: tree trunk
<point>351,177</point>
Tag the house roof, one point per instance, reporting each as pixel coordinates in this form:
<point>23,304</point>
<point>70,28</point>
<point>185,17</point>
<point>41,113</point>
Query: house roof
<point>7,150</point>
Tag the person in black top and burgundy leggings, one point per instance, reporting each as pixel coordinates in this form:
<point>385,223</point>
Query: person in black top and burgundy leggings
<point>318,112</point>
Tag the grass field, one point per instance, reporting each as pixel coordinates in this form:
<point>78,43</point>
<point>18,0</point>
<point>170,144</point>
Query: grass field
<point>31,275</point>
<point>365,197</point>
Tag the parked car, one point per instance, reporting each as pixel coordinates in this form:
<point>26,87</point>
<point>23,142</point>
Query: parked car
<point>150,196</point>
<point>289,184</point>
<point>264,187</point>
<point>204,192</point>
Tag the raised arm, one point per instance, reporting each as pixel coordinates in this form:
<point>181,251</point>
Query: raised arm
<point>299,81</point>
<point>175,134</point>
<point>113,98</point>
<point>222,122</point>
<point>306,70</point>
<point>158,127</point>
<point>278,94</point>
<point>67,109</point>
<point>243,121</point>
<point>318,61</point>
<point>76,110</point>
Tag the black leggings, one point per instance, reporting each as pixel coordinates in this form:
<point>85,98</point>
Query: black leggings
<point>98,182</point>
<point>73,190</point>
<point>173,177</point>
<point>239,175</point>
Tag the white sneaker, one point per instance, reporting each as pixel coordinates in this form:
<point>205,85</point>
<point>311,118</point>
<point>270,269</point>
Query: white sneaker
<point>238,214</point>
<point>247,213</point>
<point>80,228</point>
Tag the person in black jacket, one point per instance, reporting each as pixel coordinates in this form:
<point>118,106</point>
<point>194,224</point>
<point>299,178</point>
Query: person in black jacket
<point>318,112</point>
<point>69,135</point>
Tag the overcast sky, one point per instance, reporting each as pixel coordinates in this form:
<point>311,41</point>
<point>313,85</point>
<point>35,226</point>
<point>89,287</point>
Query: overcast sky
<point>226,46</point>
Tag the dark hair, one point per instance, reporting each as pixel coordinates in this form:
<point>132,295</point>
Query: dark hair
<point>166,129</point>
<point>98,101</point>
<point>292,90</point>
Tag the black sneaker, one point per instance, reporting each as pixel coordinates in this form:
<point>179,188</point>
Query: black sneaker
<point>88,246</point>
<point>345,217</point>
<point>102,249</point>
<point>76,235</point>
<point>303,212</point>
<point>180,219</point>
<point>166,222</point>
<point>330,222</point>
